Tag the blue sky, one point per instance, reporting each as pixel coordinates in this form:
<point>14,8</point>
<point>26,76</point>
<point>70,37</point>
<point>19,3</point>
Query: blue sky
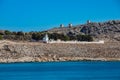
<point>38,15</point>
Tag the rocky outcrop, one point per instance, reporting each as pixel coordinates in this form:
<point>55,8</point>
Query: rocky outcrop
<point>34,51</point>
<point>109,30</point>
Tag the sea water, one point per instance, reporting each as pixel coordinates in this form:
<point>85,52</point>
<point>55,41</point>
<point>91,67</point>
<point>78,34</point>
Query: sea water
<point>82,70</point>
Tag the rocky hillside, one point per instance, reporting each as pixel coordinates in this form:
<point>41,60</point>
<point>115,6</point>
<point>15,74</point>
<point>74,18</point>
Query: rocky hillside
<point>109,30</point>
<point>34,51</point>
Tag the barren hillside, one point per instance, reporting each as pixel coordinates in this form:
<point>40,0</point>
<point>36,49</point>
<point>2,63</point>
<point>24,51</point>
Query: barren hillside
<point>34,51</point>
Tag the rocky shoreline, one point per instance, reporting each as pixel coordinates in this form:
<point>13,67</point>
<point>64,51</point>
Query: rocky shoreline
<point>11,51</point>
<point>29,59</point>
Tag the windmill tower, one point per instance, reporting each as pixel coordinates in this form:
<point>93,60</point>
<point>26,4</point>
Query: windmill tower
<point>69,25</point>
<point>61,25</point>
<point>88,21</point>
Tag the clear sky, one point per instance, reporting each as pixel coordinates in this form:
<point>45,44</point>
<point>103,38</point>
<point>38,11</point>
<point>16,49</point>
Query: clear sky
<point>37,15</point>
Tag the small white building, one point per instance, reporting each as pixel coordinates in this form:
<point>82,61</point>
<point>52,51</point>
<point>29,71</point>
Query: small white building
<point>88,21</point>
<point>46,39</point>
<point>61,25</point>
<point>69,25</point>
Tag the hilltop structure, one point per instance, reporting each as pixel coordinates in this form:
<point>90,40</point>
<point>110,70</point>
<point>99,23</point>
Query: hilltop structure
<point>70,25</point>
<point>61,25</point>
<point>88,21</point>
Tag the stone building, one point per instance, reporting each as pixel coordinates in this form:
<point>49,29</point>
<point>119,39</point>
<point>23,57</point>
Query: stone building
<point>88,21</point>
<point>61,25</point>
<point>69,25</point>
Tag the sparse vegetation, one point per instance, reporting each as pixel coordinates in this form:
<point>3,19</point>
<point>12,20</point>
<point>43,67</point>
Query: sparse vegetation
<point>1,37</point>
<point>57,36</point>
<point>7,32</point>
<point>39,36</point>
<point>84,38</point>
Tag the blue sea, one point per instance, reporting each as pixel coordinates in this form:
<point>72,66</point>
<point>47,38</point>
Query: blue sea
<point>81,70</point>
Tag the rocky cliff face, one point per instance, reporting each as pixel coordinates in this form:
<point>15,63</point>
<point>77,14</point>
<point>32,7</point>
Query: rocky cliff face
<point>107,30</point>
<point>33,51</point>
